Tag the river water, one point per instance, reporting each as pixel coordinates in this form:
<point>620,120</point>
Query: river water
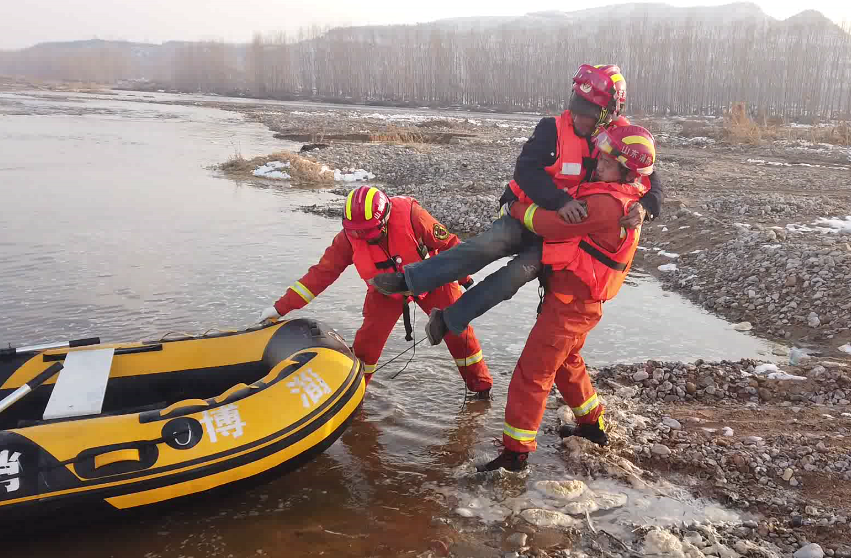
<point>114,223</point>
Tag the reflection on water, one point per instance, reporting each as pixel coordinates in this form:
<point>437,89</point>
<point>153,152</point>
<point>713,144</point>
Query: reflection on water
<point>112,224</point>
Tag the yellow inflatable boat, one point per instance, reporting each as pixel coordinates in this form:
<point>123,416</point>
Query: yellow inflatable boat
<point>127,425</point>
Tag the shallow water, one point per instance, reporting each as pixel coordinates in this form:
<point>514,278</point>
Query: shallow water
<point>114,224</point>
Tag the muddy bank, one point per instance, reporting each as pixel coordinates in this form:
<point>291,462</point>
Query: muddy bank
<point>776,464</point>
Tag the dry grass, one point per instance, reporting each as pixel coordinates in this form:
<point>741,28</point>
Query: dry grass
<point>437,123</point>
<point>301,169</point>
<point>391,135</point>
<point>398,135</point>
<point>740,128</point>
<point>696,128</point>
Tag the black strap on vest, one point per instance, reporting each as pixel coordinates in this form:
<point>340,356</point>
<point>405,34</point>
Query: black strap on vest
<point>406,318</point>
<point>386,264</point>
<point>589,163</point>
<point>601,257</point>
<point>543,282</point>
<point>390,263</point>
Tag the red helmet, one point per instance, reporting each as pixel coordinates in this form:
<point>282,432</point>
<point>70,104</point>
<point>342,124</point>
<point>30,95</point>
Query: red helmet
<point>603,85</point>
<point>633,147</point>
<point>366,213</point>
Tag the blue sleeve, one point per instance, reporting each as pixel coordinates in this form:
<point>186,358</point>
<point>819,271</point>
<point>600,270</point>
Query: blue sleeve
<point>652,200</point>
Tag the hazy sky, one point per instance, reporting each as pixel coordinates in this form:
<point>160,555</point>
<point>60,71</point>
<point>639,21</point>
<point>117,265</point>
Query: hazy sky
<point>26,22</point>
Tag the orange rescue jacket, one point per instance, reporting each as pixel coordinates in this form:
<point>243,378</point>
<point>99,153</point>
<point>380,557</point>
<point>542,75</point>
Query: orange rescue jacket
<point>602,270</point>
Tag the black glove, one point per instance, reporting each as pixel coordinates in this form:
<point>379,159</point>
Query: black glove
<point>468,284</point>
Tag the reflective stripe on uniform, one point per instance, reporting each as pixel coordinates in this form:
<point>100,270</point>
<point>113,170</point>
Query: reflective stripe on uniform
<point>303,292</point>
<point>529,216</point>
<point>470,360</point>
<point>518,433</point>
<point>592,403</point>
<point>369,368</point>
<point>368,203</point>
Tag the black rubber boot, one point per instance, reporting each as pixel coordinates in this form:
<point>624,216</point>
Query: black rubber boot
<point>436,328</point>
<point>508,460</point>
<point>390,283</point>
<point>591,432</point>
<point>482,395</point>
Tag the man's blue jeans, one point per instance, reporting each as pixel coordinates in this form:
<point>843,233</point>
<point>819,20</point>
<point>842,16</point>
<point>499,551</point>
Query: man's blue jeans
<point>507,236</point>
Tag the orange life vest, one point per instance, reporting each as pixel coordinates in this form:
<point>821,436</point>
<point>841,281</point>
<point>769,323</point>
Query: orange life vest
<point>571,150</point>
<point>602,270</point>
<point>403,246</point>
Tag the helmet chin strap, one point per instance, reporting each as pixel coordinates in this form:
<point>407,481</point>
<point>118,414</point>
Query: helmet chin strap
<point>380,237</point>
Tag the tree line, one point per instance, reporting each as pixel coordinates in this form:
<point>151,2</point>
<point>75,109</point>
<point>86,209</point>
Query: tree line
<point>779,69</point>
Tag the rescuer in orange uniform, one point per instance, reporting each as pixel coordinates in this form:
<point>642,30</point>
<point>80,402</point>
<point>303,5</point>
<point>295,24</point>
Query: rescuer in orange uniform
<point>382,235</point>
<point>558,157</point>
<point>589,262</point>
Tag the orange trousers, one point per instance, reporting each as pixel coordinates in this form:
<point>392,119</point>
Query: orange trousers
<point>380,314</point>
<point>552,355</point>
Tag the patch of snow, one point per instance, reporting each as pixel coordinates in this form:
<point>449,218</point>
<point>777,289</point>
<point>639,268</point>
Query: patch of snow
<point>784,376</point>
<point>664,229</point>
<point>743,326</point>
<point>685,227</point>
<point>696,214</point>
<point>763,162</point>
<point>836,225</point>
<point>824,225</point>
<point>520,140</point>
<point>700,140</point>
<point>668,267</point>
<point>770,163</point>
<point>695,251</point>
<point>272,170</point>
<point>671,255</point>
<point>846,348</point>
<point>763,368</point>
<point>792,227</point>
<point>348,175</point>
<point>358,174</point>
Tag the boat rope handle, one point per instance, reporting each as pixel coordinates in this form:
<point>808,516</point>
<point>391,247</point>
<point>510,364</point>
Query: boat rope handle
<point>188,438</point>
<point>164,337</point>
<point>219,330</point>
